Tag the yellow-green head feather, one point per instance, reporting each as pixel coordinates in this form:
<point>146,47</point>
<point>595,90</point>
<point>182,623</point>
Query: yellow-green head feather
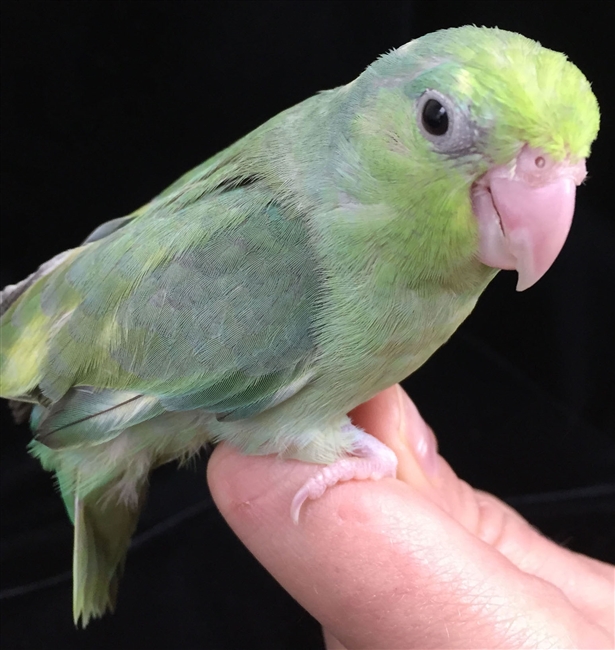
<point>510,90</point>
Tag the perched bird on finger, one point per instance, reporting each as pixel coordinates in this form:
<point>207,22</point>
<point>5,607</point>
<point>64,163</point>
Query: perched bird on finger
<point>266,293</point>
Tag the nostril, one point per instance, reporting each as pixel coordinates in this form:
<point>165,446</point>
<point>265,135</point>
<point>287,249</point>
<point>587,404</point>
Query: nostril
<point>540,162</point>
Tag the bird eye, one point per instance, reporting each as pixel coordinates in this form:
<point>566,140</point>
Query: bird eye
<point>434,117</point>
<point>445,123</point>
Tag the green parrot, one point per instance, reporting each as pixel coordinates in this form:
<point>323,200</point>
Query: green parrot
<point>320,259</point>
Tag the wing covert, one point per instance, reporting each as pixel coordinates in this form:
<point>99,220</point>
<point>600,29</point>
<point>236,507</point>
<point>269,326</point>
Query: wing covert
<point>204,301</point>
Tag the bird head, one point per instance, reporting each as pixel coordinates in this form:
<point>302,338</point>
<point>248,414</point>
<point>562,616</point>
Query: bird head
<point>480,137</point>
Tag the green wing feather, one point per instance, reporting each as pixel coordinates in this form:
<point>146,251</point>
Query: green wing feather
<point>201,300</point>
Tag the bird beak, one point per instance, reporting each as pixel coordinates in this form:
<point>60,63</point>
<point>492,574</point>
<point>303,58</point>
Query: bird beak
<point>524,211</point>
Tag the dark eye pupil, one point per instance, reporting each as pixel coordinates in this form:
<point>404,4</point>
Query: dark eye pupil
<point>435,119</point>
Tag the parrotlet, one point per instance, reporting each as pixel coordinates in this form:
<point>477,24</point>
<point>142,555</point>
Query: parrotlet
<point>318,260</point>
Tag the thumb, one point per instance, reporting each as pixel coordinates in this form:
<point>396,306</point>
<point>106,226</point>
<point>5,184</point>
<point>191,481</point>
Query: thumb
<point>392,417</point>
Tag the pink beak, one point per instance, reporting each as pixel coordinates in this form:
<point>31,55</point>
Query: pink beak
<point>524,211</point>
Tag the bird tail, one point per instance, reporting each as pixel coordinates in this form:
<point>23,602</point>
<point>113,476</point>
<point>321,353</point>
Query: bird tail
<point>103,528</point>
<point>103,475</point>
<point>103,492</point>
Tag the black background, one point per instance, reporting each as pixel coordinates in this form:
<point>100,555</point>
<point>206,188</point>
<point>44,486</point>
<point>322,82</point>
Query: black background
<point>106,103</point>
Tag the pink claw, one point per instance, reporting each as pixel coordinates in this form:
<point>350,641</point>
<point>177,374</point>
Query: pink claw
<point>373,460</point>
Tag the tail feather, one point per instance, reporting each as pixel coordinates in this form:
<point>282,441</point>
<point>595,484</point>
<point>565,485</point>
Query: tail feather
<point>103,528</point>
<point>104,487</point>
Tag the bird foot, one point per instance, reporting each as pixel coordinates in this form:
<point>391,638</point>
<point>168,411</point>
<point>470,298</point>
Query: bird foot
<point>372,459</point>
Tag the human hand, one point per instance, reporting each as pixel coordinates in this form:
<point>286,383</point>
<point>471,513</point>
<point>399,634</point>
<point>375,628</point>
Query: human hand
<point>421,561</point>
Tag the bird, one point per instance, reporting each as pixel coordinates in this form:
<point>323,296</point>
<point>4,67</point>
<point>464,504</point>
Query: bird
<point>321,258</point>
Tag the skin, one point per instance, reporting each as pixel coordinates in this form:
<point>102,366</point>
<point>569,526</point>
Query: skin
<point>421,561</point>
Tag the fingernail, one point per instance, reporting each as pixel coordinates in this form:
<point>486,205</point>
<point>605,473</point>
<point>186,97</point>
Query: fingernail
<point>421,437</point>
